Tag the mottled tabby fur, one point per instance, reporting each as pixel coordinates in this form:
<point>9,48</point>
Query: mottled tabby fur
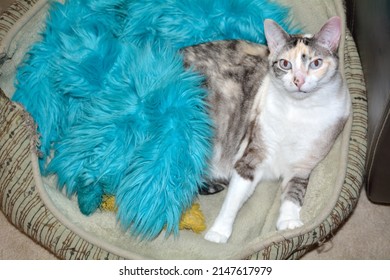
<point>277,111</point>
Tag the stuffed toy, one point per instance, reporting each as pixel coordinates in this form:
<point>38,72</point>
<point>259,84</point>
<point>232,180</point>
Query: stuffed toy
<point>192,219</point>
<point>118,113</point>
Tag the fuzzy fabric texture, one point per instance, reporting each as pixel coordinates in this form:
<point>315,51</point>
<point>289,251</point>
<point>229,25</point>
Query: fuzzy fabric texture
<point>116,110</point>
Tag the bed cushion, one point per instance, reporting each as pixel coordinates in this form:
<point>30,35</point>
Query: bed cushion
<point>35,206</point>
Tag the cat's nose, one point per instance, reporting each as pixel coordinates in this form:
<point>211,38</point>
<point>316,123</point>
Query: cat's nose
<point>299,80</point>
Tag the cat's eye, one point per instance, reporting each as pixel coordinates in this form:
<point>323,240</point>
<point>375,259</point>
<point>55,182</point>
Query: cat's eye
<point>285,64</point>
<point>315,64</point>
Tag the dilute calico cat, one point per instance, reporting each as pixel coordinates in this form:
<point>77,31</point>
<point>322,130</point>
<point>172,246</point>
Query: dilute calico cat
<point>276,110</point>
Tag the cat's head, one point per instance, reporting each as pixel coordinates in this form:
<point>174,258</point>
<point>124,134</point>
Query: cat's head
<point>303,63</point>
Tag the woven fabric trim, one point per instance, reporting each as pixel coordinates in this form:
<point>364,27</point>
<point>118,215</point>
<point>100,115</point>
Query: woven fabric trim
<point>14,18</point>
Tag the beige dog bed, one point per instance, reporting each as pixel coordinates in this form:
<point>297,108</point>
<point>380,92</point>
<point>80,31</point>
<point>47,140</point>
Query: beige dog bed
<point>34,205</point>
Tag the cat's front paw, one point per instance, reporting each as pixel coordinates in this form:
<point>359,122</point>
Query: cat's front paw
<point>217,237</point>
<point>288,224</point>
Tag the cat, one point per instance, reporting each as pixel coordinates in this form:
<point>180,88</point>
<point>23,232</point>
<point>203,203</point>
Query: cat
<point>276,112</point>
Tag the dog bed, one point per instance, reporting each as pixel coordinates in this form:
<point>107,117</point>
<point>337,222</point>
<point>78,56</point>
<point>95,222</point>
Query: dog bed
<point>35,206</point>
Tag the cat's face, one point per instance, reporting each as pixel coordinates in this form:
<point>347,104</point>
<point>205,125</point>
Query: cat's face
<point>303,67</point>
<point>303,63</point>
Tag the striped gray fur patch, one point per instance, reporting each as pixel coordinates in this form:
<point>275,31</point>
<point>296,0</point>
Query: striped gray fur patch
<point>295,190</point>
<point>254,154</point>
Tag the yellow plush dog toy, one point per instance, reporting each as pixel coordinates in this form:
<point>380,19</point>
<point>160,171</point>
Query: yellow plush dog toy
<point>193,219</point>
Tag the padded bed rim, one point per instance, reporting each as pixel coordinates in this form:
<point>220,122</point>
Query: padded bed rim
<point>288,245</point>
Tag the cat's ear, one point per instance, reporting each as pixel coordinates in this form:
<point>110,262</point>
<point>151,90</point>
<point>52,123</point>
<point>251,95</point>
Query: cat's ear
<point>275,35</point>
<point>329,35</point>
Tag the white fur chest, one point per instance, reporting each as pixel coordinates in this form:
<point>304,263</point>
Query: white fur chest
<point>292,128</point>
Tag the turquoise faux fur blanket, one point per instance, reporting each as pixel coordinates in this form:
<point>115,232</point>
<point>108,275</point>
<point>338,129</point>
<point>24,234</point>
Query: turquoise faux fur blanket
<point>117,111</point>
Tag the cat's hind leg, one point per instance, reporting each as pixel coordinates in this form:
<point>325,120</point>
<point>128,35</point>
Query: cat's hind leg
<point>293,194</point>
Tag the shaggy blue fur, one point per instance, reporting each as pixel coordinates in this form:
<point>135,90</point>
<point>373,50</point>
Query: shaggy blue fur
<point>107,87</point>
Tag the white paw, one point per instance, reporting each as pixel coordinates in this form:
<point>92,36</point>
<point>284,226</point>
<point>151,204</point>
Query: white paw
<point>288,224</point>
<point>217,237</point>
